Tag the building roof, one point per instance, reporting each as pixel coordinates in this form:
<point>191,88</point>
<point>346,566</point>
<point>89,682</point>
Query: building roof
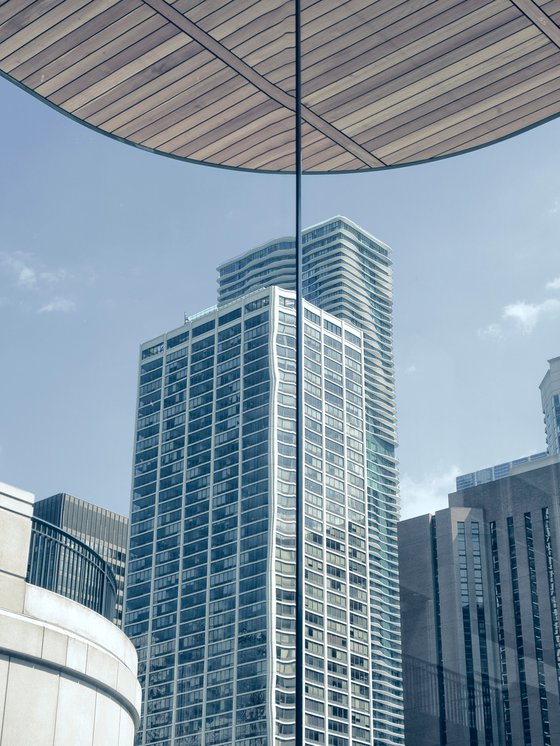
<point>384,83</point>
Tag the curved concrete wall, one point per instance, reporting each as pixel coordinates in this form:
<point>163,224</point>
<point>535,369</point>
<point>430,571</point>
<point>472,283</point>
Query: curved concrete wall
<point>67,674</point>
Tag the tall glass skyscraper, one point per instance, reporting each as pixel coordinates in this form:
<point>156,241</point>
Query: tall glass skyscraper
<point>347,272</point>
<point>211,579</point>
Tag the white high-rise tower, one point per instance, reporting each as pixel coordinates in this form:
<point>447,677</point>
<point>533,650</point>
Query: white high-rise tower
<point>211,580</point>
<point>347,272</point>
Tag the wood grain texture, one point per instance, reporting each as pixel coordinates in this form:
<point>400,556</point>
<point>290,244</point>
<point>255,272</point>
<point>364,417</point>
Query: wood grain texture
<point>384,83</point>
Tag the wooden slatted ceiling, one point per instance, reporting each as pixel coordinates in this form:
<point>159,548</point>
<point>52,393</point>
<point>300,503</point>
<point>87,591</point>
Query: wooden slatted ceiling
<point>385,83</point>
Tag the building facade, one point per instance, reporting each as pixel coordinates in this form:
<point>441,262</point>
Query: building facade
<point>479,603</point>
<point>347,272</point>
<point>211,578</point>
<point>550,396</point>
<point>67,674</point>
<point>103,530</point>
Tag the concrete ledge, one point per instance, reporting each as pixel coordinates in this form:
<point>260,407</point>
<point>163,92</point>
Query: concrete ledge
<point>41,706</point>
<point>71,641</point>
<point>67,674</point>
<point>16,499</point>
<point>59,612</point>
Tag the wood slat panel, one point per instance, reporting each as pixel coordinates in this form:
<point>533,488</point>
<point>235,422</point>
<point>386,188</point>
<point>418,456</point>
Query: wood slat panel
<point>342,162</point>
<point>151,56</point>
<point>442,81</point>
<point>413,49</point>
<point>471,54</point>
<point>541,21</point>
<point>283,159</point>
<point>17,32</point>
<point>282,143</point>
<point>195,113</point>
<point>154,99</point>
<point>531,118</point>
<point>550,7</point>
<point>468,95</point>
<point>125,41</point>
<point>540,86</point>
<point>260,132</point>
<point>14,16</point>
<point>328,41</point>
<point>143,85</point>
<point>66,36</point>
<point>525,116</point>
<point>179,130</point>
<point>95,50</point>
<point>423,29</point>
<point>244,21</point>
<point>283,153</point>
<point>391,81</point>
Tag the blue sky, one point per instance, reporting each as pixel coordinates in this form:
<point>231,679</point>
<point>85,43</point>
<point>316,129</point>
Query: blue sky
<point>104,246</point>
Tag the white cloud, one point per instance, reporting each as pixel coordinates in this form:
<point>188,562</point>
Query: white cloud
<point>553,284</point>
<point>492,330</point>
<point>64,305</point>
<point>527,315</point>
<point>53,277</point>
<point>554,209</point>
<point>26,276</point>
<point>411,369</point>
<point>29,273</point>
<point>522,316</point>
<point>428,494</point>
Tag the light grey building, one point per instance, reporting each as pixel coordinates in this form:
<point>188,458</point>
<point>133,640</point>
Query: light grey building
<point>210,598</point>
<point>347,272</point>
<point>480,612</point>
<point>103,530</point>
<point>550,396</point>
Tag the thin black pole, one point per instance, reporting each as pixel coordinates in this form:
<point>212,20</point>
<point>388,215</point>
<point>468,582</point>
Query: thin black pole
<point>300,455</point>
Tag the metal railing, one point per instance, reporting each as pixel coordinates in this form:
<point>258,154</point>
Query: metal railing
<point>62,563</point>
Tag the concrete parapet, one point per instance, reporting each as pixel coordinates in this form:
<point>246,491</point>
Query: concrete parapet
<point>67,674</point>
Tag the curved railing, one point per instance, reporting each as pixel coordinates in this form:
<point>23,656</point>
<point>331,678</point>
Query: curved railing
<point>61,563</point>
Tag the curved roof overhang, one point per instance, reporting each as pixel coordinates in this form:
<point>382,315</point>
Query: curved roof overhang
<point>384,83</point>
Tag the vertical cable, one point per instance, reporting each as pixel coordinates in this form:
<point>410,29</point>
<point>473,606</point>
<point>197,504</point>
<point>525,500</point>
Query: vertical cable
<point>300,513</point>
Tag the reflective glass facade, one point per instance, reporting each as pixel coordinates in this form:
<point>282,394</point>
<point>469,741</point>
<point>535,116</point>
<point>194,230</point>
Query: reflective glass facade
<point>347,272</point>
<point>211,578</point>
<point>486,596</point>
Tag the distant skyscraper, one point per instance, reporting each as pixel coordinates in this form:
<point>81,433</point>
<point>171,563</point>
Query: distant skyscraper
<point>550,395</point>
<point>479,594</point>
<point>347,272</point>
<point>211,577</point>
<point>102,530</point>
